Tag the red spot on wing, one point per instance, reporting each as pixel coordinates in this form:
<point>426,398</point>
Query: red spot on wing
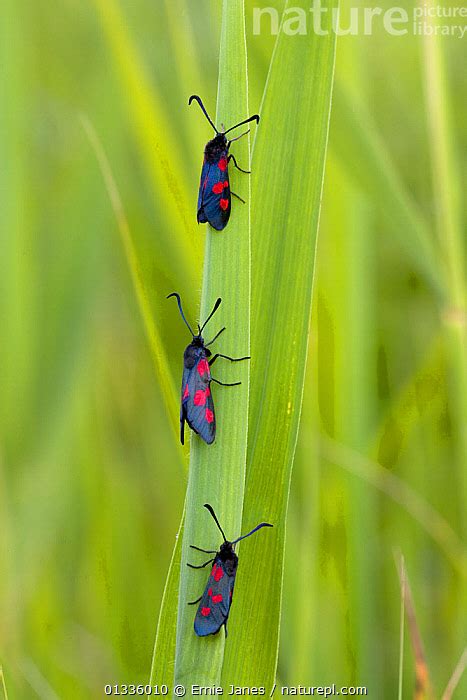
<point>186,393</point>
<point>226,183</point>
<point>203,367</point>
<point>213,572</point>
<point>217,598</point>
<point>222,164</point>
<point>199,398</point>
<point>209,418</point>
<point>218,574</point>
<point>218,187</point>
<point>210,591</point>
<point>205,611</point>
<point>224,204</point>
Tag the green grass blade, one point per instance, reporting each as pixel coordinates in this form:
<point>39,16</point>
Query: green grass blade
<point>288,167</point>
<point>162,667</point>
<point>347,289</point>
<point>18,298</point>
<point>422,512</point>
<point>444,167</point>
<point>157,349</point>
<point>365,155</point>
<point>401,627</point>
<point>158,145</point>
<point>447,198</point>
<point>303,531</point>
<point>456,676</point>
<point>179,22</point>
<point>217,472</point>
<point>3,684</point>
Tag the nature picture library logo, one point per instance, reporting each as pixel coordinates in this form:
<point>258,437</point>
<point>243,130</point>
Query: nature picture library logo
<point>424,19</point>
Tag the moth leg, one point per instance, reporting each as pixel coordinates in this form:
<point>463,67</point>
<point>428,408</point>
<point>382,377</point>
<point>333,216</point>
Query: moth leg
<point>195,601</point>
<point>223,383</point>
<point>206,551</point>
<point>215,337</point>
<point>225,628</point>
<point>237,196</point>
<point>238,137</point>
<point>232,157</point>
<point>226,357</point>
<point>192,566</point>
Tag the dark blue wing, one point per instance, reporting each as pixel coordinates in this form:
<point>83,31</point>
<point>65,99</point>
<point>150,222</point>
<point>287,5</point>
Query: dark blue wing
<point>214,607</point>
<point>214,199</point>
<point>197,407</point>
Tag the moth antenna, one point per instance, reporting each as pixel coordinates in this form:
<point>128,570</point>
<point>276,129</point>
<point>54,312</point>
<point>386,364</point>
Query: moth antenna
<point>216,306</point>
<point>255,118</point>
<point>198,100</point>
<point>179,302</point>
<point>211,510</point>
<point>252,531</point>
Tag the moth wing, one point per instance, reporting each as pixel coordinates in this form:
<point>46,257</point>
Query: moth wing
<point>183,403</point>
<point>202,187</point>
<point>214,200</point>
<point>197,403</point>
<point>214,607</point>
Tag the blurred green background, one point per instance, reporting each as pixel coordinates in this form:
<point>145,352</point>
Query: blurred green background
<point>92,479</point>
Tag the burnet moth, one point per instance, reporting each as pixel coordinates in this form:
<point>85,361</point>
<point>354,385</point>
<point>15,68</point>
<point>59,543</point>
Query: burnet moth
<point>214,605</point>
<point>197,406</point>
<point>214,198</point>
